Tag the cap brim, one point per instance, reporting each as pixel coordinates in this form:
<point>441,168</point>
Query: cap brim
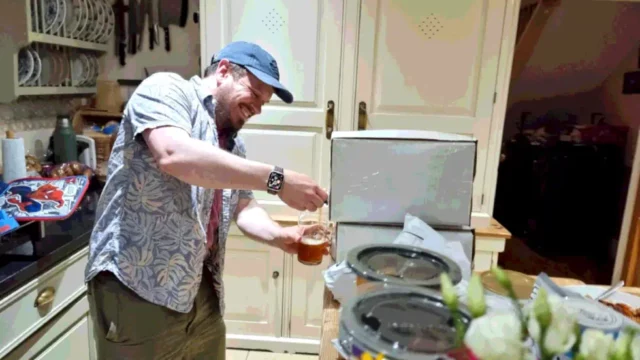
<point>278,88</point>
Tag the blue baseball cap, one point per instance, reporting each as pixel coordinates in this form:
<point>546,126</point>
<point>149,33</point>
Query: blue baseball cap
<point>257,61</point>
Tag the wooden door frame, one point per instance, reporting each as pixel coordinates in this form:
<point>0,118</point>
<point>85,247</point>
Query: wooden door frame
<point>620,269</point>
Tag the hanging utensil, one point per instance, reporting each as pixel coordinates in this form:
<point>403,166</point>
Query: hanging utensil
<point>119,10</point>
<point>152,12</point>
<point>133,25</point>
<point>172,12</point>
<point>142,17</point>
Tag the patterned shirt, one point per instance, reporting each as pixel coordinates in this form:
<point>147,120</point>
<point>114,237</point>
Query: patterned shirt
<point>151,227</point>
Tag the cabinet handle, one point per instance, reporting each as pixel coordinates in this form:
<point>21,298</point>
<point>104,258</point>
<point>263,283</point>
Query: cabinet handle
<point>275,275</point>
<point>362,116</point>
<point>329,120</point>
<point>45,297</point>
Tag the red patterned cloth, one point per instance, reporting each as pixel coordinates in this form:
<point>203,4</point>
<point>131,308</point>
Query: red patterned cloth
<point>216,207</point>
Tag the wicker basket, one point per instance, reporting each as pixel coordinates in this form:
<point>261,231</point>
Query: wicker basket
<point>103,144</point>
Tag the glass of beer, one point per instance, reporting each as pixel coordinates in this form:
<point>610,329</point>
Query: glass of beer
<point>315,240</point>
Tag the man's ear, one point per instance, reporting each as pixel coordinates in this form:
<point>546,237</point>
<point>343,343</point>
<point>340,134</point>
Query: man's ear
<point>223,69</point>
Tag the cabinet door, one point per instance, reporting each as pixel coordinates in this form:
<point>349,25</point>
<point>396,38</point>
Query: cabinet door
<point>67,336</point>
<point>304,37</point>
<point>253,276</point>
<point>430,65</point>
<point>307,294</point>
<point>74,343</point>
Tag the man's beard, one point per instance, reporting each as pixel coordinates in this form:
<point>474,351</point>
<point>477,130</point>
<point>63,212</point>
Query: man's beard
<point>223,114</point>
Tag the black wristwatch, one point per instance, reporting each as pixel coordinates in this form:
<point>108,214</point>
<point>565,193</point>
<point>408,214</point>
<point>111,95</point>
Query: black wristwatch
<point>275,181</point>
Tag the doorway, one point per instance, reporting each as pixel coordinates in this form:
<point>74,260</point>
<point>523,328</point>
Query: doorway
<point>569,137</point>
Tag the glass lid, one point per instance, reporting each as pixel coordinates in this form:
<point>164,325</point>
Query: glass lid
<point>403,322</point>
<point>402,264</point>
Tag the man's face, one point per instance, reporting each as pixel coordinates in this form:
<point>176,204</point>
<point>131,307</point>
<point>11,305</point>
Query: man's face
<point>238,99</point>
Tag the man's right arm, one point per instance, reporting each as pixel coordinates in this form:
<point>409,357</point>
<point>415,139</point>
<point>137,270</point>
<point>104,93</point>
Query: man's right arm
<point>160,112</point>
<point>199,163</point>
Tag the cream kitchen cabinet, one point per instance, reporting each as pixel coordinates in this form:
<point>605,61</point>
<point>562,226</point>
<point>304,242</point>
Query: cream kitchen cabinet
<point>48,318</point>
<point>272,301</point>
<point>355,64</point>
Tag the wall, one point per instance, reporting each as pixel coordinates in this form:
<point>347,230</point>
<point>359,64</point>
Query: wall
<point>578,51</point>
<point>34,119</point>
<point>183,57</point>
<point>580,45</point>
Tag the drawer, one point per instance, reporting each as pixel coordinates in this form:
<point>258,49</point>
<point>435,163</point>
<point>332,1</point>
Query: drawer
<point>20,316</point>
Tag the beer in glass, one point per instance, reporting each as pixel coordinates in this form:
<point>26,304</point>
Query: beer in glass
<point>315,240</point>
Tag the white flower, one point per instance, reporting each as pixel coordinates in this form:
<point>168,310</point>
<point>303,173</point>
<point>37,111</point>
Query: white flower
<point>635,348</point>
<point>496,336</point>
<point>595,345</point>
<point>560,336</point>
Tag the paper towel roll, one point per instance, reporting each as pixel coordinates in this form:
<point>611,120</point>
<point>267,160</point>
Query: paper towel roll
<point>13,160</point>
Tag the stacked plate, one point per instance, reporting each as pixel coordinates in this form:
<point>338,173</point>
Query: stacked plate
<point>46,66</point>
<point>87,20</point>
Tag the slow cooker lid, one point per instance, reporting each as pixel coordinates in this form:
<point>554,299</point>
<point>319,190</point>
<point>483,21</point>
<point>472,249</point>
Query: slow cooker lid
<point>404,321</point>
<point>391,263</point>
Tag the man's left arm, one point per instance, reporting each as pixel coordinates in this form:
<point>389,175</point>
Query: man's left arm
<point>255,222</point>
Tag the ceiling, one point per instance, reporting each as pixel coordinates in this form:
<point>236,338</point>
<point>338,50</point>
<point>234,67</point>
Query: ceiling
<point>582,44</point>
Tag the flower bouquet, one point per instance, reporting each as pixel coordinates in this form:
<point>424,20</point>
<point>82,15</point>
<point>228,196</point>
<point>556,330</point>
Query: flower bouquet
<point>544,329</point>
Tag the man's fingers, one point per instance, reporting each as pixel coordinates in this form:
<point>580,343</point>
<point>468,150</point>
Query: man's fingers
<point>324,196</point>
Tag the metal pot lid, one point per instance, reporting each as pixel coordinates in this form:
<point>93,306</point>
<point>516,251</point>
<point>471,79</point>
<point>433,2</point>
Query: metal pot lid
<point>402,265</point>
<point>402,322</point>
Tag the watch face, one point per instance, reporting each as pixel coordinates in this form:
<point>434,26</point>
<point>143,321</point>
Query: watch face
<point>275,181</point>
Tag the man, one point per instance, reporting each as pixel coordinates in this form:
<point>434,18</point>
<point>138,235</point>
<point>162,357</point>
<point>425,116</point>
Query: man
<point>157,249</point>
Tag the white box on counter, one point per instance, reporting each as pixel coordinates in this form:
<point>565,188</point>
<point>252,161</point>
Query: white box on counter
<point>377,176</point>
<point>349,236</point>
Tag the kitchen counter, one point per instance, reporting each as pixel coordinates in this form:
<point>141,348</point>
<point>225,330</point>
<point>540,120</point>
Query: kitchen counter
<point>33,254</point>
<point>331,321</point>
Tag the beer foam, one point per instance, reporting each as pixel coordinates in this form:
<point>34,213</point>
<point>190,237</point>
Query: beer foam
<point>313,241</point>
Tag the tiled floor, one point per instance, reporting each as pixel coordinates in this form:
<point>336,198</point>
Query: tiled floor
<point>259,355</point>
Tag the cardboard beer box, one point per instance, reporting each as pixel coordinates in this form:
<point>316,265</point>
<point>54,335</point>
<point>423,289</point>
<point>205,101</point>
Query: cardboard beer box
<point>377,176</point>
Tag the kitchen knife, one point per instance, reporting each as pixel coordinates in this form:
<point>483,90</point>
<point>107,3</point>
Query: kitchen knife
<point>119,10</point>
<point>152,10</point>
<point>133,25</point>
<point>172,12</point>
<point>142,17</point>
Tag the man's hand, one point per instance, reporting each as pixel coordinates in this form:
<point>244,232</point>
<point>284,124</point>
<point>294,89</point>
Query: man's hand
<point>290,237</point>
<point>301,192</point>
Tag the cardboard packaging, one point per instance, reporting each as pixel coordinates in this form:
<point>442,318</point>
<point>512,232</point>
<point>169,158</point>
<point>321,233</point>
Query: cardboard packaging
<point>377,176</point>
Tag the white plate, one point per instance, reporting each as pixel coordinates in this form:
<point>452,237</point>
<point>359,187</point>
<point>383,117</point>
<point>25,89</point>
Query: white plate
<point>91,21</point>
<point>26,64</point>
<point>60,19</point>
<point>51,13</point>
<point>33,80</point>
<point>619,297</point>
<point>47,67</point>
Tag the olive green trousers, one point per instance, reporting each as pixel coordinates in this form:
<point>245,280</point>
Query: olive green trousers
<point>129,327</point>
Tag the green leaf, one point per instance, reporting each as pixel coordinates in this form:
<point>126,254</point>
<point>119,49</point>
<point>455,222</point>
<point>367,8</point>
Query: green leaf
<point>475,297</point>
<point>449,294</point>
<point>542,309</point>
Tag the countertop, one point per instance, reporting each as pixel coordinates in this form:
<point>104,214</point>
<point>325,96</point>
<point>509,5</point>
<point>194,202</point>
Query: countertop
<point>331,321</point>
<point>35,255</point>
<point>495,229</point>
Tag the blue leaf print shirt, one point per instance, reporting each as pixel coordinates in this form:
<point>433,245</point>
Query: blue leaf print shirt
<point>150,230</point>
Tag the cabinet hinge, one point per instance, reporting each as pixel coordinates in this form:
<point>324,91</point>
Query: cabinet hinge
<point>482,200</point>
<point>495,97</point>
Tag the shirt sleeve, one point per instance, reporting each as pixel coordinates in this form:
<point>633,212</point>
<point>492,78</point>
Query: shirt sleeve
<point>160,100</point>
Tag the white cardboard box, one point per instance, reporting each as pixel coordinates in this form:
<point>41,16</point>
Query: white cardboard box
<point>377,176</point>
